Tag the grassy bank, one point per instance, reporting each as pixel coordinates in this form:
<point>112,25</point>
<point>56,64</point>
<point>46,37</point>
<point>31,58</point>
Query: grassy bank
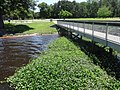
<point>103,19</point>
<point>40,27</point>
<point>62,66</point>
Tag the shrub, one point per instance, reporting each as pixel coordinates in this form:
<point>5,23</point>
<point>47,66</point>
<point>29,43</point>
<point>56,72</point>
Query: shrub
<point>64,14</point>
<point>104,12</point>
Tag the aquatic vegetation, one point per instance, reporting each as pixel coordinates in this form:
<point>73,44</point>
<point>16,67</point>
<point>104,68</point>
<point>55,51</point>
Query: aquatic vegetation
<point>62,66</point>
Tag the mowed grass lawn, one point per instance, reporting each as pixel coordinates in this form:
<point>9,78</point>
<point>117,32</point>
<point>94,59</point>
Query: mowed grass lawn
<point>40,27</point>
<point>97,19</point>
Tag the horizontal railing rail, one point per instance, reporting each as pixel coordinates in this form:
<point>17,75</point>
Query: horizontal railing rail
<point>100,22</point>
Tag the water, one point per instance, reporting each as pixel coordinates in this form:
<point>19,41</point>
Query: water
<point>18,51</point>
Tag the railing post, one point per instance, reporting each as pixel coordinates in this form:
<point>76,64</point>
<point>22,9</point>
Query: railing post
<point>79,29</point>
<point>78,26</point>
<point>93,31</point>
<point>73,25</point>
<point>106,38</point>
<point>84,28</point>
<point>57,22</point>
<point>70,26</point>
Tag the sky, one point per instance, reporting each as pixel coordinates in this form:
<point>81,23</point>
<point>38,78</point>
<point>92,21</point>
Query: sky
<point>53,1</point>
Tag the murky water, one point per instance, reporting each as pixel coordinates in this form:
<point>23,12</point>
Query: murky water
<point>18,51</point>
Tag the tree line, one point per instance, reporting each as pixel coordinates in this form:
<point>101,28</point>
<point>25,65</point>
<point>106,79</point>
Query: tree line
<point>61,9</point>
<point>90,9</point>
<point>24,9</point>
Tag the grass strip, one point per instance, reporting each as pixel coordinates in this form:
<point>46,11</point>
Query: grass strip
<point>97,19</point>
<point>62,66</point>
<point>40,27</point>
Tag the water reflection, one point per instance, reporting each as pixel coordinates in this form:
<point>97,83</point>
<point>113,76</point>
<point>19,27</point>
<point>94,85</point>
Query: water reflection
<point>17,51</point>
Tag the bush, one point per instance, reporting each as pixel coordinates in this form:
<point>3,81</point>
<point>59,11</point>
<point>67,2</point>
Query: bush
<point>104,12</point>
<point>64,14</point>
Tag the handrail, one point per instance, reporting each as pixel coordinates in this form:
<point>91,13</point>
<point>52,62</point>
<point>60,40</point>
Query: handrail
<point>99,22</point>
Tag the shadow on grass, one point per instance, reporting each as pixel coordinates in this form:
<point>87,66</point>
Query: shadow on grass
<point>100,56</point>
<point>13,29</point>
<point>53,26</point>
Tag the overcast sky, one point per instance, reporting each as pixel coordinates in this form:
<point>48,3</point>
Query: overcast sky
<point>54,1</point>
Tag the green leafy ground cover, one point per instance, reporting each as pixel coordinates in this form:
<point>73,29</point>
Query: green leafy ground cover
<point>62,66</point>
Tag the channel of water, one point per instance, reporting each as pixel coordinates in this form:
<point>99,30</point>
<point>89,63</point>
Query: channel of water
<point>16,52</point>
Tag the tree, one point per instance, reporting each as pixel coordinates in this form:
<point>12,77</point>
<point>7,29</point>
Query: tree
<point>83,11</point>
<point>92,7</point>
<point>50,11</point>
<point>104,12</point>
<point>113,6</point>
<point>8,6</point>
<point>43,9</point>
<point>64,14</point>
<point>62,5</point>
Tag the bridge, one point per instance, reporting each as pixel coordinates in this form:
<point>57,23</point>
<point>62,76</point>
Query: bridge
<point>104,32</point>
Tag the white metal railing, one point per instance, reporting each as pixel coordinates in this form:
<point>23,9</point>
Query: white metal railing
<point>107,31</point>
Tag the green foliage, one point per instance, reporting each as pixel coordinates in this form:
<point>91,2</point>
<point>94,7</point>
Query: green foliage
<point>92,7</point>
<point>62,66</point>
<point>8,6</point>
<point>43,10</point>
<point>113,6</point>
<point>83,9</point>
<point>64,14</point>
<point>78,10</point>
<point>104,12</point>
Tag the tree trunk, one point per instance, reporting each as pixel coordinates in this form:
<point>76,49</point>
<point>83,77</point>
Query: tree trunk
<point>1,22</point>
<point>1,25</point>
